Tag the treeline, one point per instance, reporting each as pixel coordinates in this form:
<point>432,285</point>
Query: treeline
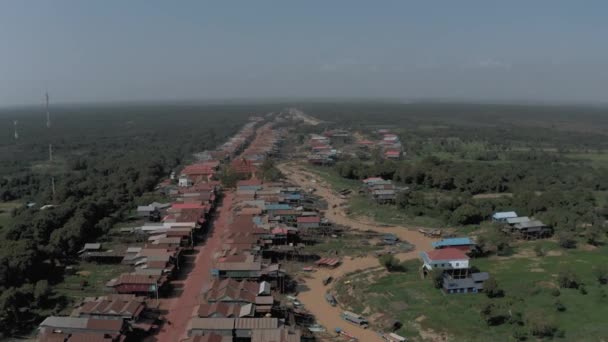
<point>556,190</point>
<point>531,172</point>
<point>98,180</point>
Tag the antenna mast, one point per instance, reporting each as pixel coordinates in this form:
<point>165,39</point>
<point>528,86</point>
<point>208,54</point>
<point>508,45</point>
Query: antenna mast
<point>16,133</point>
<point>48,126</point>
<point>48,114</point>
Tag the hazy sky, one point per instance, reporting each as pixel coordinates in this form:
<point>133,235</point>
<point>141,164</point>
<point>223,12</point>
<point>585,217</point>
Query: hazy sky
<point>91,51</point>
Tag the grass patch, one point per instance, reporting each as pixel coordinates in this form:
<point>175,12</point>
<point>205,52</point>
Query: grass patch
<point>347,244</point>
<point>527,283</point>
<point>597,159</point>
<point>5,213</point>
<point>336,181</point>
<point>95,275</point>
<point>387,214</point>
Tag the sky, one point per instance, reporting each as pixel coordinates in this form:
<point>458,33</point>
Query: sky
<point>147,50</point>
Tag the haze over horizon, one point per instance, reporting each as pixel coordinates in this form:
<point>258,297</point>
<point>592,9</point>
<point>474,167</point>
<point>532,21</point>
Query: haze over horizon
<point>111,51</point>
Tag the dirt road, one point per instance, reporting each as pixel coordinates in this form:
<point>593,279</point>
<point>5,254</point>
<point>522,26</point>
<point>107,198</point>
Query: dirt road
<point>195,277</point>
<point>313,299</point>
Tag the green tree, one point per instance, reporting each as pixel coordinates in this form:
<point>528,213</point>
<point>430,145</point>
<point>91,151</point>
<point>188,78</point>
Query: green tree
<point>491,288</point>
<point>41,292</point>
<point>566,239</point>
<point>466,214</point>
<point>391,263</point>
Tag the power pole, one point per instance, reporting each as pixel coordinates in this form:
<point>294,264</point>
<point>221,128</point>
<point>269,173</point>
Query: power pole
<point>48,113</point>
<point>48,126</point>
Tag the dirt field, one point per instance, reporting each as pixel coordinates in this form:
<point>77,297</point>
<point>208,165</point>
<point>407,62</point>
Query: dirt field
<point>197,277</point>
<point>313,298</point>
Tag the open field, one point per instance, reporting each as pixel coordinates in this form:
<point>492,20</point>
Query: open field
<point>527,282</point>
<point>362,206</point>
<point>95,275</point>
<point>5,212</point>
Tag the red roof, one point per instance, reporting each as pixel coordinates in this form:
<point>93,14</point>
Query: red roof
<point>249,182</point>
<point>447,254</point>
<point>365,142</point>
<point>392,152</point>
<point>328,261</point>
<point>204,168</point>
<point>309,219</point>
<point>187,206</point>
<point>243,166</point>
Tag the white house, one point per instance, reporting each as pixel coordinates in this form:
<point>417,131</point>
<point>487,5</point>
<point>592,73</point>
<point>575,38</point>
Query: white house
<point>184,181</point>
<point>445,259</point>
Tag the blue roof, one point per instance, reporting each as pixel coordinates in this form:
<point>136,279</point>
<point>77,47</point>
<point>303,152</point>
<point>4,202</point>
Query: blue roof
<point>462,241</point>
<point>504,215</point>
<point>293,196</point>
<point>277,206</point>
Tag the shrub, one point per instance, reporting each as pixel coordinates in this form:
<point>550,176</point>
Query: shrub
<point>539,250</point>
<point>391,263</point>
<point>559,306</point>
<point>520,335</point>
<point>568,279</point>
<point>601,274</point>
<point>582,289</point>
<point>555,292</point>
<point>493,314</point>
<point>437,277</point>
<point>541,325</point>
<point>566,240</point>
<point>491,288</point>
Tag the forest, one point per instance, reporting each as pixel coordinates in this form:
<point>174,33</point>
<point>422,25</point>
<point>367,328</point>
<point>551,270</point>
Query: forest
<point>105,157</point>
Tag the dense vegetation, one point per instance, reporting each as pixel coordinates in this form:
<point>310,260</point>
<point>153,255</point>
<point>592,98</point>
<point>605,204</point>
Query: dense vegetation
<point>105,158</point>
<point>466,161</point>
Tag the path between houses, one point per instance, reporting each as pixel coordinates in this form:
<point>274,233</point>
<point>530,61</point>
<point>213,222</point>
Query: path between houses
<point>314,297</point>
<point>180,308</point>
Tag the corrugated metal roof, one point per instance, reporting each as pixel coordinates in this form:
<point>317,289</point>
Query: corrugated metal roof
<point>212,323</point>
<point>65,322</point>
<point>515,220</point>
<point>256,323</point>
<point>461,241</point>
<point>504,215</point>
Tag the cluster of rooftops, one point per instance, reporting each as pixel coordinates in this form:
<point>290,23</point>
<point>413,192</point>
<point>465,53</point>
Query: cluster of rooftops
<point>242,290</point>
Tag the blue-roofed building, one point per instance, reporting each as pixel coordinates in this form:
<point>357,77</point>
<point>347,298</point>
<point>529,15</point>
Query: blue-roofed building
<point>461,243</point>
<point>292,198</point>
<point>503,216</point>
<point>279,206</point>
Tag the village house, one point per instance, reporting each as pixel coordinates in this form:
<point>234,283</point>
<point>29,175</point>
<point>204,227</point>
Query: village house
<point>384,196</point>
<point>464,244</point>
<point>392,154</point>
<point>225,310</point>
<point>243,292</point>
<point>59,328</point>
<point>308,222</point>
<point>137,284</point>
<point>446,259</point>
<point>250,184</point>
<point>502,217</point>
<point>124,307</point>
<point>473,283</point>
<point>531,229</point>
<point>515,220</point>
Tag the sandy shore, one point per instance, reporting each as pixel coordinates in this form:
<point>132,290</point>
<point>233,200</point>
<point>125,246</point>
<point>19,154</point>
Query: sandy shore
<point>313,298</point>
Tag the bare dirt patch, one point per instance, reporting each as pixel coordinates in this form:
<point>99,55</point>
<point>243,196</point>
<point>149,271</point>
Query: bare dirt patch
<point>555,253</point>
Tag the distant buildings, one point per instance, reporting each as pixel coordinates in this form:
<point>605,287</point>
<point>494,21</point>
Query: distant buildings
<point>522,226</point>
